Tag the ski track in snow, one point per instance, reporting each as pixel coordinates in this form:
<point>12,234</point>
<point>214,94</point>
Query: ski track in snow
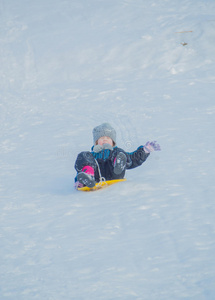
<point>147,67</point>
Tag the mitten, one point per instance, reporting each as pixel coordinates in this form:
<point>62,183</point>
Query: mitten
<point>151,146</point>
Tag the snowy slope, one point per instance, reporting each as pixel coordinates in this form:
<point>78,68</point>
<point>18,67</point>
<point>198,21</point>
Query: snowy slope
<point>147,67</point>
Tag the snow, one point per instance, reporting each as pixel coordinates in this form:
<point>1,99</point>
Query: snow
<point>146,67</point>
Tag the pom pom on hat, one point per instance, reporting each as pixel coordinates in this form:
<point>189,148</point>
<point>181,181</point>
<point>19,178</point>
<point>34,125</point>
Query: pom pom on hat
<point>104,129</point>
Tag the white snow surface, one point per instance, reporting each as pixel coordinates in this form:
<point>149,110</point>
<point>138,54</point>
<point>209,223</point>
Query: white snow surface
<point>148,68</point>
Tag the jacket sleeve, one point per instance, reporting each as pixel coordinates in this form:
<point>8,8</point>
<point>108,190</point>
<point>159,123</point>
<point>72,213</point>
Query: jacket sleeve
<point>137,157</point>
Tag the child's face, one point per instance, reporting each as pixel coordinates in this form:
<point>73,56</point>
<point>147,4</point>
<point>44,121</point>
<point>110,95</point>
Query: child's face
<point>105,140</point>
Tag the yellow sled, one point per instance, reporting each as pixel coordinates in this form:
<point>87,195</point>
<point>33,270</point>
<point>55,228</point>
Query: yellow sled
<point>100,185</point>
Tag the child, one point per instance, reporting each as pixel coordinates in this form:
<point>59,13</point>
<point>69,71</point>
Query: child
<point>106,161</point>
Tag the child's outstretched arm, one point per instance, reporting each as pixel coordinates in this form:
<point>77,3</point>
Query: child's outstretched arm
<point>141,154</point>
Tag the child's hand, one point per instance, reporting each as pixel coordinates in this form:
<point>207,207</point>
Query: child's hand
<point>151,146</point>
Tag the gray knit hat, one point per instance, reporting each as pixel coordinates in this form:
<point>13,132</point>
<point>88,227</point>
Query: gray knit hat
<point>104,129</point>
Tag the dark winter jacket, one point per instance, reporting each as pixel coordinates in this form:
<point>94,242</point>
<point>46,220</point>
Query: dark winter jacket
<point>106,157</point>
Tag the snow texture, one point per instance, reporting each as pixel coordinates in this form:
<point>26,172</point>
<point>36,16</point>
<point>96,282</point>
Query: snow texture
<point>148,68</point>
